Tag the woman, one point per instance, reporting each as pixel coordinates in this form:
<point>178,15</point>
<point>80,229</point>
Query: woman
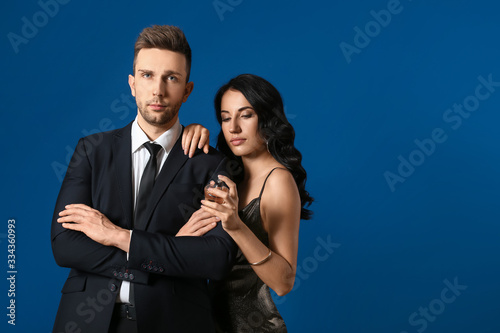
<point>262,214</point>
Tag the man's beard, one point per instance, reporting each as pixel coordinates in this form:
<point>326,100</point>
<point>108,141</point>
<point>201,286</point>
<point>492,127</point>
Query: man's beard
<point>159,118</point>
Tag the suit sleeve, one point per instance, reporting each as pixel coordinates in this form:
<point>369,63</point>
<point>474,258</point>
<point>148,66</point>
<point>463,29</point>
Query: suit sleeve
<point>210,256</point>
<point>71,248</point>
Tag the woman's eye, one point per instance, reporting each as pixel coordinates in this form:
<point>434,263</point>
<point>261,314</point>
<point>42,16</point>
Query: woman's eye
<point>225,120</point>
<point>246,116</point>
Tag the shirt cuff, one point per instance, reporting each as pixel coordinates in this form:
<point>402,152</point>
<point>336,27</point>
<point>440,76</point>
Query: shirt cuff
<point>130,240</point>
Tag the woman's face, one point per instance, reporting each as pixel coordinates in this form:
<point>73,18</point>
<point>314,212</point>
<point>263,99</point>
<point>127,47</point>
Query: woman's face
<point>240,124</point>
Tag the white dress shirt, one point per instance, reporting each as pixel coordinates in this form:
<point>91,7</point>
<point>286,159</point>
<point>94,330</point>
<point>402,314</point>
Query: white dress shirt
<point>140,157</point>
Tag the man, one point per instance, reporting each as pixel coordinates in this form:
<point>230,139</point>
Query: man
<point>124,199</point>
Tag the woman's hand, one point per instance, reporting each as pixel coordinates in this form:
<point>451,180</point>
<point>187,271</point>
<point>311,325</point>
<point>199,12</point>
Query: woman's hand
<point>199,224</point>
<point>195,136</point>
<point>227,212</point>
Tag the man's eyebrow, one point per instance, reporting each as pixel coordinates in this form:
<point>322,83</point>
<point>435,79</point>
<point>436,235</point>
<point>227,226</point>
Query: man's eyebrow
<point>169,72</point>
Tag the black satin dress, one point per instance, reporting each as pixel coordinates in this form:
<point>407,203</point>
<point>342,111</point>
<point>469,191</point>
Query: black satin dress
<point>243,303</point>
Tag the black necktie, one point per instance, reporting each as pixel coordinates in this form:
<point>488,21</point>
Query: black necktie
<point>147,182</point>
<point>145,188</point>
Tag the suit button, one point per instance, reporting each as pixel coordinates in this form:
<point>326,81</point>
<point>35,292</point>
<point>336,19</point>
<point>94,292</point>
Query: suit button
<point>144,266</point>
<point>161,269</point>
<point>112,287</point>
<point>120,274</point>
<point>155,268</point>
<point>131,276</point>
<point>115,273</point>
<point>125,275</point>
<point>150,268</point>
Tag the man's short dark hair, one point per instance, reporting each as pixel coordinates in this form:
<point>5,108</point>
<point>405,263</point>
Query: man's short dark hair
<point>166,37</point>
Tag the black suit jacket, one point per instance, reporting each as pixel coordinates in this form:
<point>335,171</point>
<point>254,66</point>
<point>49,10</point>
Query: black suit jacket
<point>170,274</point>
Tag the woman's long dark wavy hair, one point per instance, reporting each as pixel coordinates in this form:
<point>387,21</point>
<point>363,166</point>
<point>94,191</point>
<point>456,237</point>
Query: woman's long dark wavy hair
<point>273,127</point>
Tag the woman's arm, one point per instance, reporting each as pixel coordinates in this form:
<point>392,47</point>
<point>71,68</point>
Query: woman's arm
<point>280,211</point>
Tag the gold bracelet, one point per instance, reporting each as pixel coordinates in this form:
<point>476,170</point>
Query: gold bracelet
<point>263,260</point>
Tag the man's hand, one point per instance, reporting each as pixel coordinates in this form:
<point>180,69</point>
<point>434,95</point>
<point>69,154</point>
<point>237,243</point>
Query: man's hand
<point>95,225</point>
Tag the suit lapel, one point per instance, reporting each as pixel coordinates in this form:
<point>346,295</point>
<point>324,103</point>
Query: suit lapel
<point>173,164</point>
<point>122,167</point>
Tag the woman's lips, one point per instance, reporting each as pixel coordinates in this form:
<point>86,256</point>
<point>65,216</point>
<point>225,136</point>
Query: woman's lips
<point>237,142</point>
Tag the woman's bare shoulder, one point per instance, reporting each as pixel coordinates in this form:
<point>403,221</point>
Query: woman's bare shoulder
<point>281,188</point>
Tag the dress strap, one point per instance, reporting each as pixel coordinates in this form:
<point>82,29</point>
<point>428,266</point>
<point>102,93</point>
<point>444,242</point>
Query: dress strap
<point>264,185</point>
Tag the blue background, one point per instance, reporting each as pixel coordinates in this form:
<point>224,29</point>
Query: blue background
<point>391,249</point>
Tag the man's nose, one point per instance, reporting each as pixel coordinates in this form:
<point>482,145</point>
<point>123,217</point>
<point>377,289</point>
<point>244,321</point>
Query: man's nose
<point>159,88</point>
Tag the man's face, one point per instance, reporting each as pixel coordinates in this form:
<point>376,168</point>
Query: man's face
<point>159,86</point>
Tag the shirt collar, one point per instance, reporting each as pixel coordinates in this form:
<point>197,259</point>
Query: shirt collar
<point>166,140</point>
